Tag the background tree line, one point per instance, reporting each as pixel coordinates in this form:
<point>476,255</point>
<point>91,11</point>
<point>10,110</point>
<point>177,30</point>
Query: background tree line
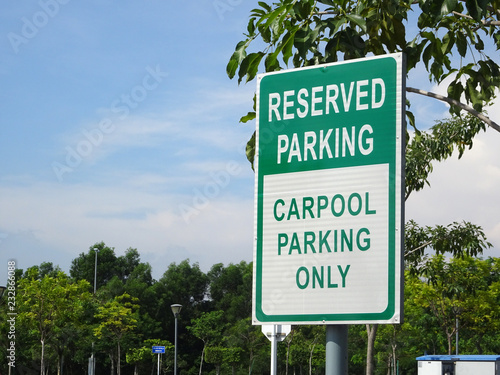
<point>60,321</point>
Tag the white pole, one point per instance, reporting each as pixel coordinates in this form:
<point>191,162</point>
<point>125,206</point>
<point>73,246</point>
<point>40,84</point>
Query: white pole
<point>175,347</point>
<point>158,367</point>
<point>95,284</point>
<point>274,352</point>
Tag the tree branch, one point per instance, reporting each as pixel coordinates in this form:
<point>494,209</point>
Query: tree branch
<point>417,248</point>
<point>465,107</point>
<point>484,22</point>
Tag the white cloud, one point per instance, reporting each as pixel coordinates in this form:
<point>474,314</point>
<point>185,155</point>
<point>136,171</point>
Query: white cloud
<point>67,220</point>
<point>465,189</point>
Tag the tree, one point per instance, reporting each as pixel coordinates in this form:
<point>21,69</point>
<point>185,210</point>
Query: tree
<point>230,289</point>
<point>47,268</point>
<point>249,338</point>
<point>185,284</point>
<point>140,284</point>
<point>457,239</point>
<point>312,32</point>
<point>127,263</point>
<point>83,267</point>
<point>216,355</point>
<point>437,144</point>
<point>208,328</point>
<point>182,283</point>
<point>116,319</point>
<point>459,290</point>
<point>143,356</point>
<point>232,356</point>
<point>483,315</point>
<point>48,304</point>
<point>307,350</point>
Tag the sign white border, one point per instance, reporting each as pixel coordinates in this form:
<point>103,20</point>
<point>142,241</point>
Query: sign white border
<point>273,301</point>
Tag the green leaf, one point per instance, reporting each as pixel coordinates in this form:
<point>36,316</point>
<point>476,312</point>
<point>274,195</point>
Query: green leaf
<point>426,55</point>
<point>476,8</point>
<point>249,66</point>
<point>250,150</point>
<point>303,41</point>
<point>264,5</point>
<point>479,45</point>
<point>496,37</point>
<point>448,6</point>
<point>411,118</point>
<point>358,20</point>
<point>271,63</point>
<point>236,59</point>
<point>461,44</point>
<point>253,66</point>
<point>251,27</point>
<point>287,44</point>
<point>327,2</point>
<point>473,94</point>
<point>447,43</point>
<point>248,117</point>
<point>271,17</point>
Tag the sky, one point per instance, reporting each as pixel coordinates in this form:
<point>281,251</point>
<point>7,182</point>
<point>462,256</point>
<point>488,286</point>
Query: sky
<point>119,124</point>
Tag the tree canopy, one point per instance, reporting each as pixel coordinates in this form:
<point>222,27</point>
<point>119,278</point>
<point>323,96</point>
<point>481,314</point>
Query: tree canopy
<point>59,319</point>
<point>448,39</point>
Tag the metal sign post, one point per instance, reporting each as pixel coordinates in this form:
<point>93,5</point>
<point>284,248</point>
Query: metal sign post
<point>158,349</point>
<point>336,349</point>
<point>275,333</point>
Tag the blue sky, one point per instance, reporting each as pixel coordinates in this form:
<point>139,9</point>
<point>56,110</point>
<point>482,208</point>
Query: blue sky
<point>118,124</point>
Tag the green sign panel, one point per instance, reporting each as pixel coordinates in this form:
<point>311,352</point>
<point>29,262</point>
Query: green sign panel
<point>329,184</point>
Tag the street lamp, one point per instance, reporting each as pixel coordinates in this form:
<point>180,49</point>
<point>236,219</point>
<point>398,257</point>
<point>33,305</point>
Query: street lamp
<point>95,269</point>
<point>176,310</point>
<point>92,358</point>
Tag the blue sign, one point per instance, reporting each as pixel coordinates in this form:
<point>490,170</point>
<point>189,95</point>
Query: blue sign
<point>158,349</point>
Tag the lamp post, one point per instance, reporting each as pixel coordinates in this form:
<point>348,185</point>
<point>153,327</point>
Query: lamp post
<point>95,269</point>
<point>92,358</point>
<point>176,310</point>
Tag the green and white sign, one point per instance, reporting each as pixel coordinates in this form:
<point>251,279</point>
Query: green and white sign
<point>329,185</point>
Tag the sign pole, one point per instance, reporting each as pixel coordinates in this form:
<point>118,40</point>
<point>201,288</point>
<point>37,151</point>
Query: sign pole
<point>158,349</point>
<point>336,349</point>
<point>274,352</point>
<point>275,333</point>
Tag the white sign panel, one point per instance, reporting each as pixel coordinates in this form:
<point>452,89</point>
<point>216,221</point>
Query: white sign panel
<point>329,183</point>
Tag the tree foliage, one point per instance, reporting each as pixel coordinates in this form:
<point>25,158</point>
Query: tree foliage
<point>116,319</point>
<point>436,145</point>
<point>108,265</point>
<point>47,304</point>
<point>462,289</point>
<point>209,328</point>
<point>458,239</point>
<point>443,289</point>
<point>448,39</point>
